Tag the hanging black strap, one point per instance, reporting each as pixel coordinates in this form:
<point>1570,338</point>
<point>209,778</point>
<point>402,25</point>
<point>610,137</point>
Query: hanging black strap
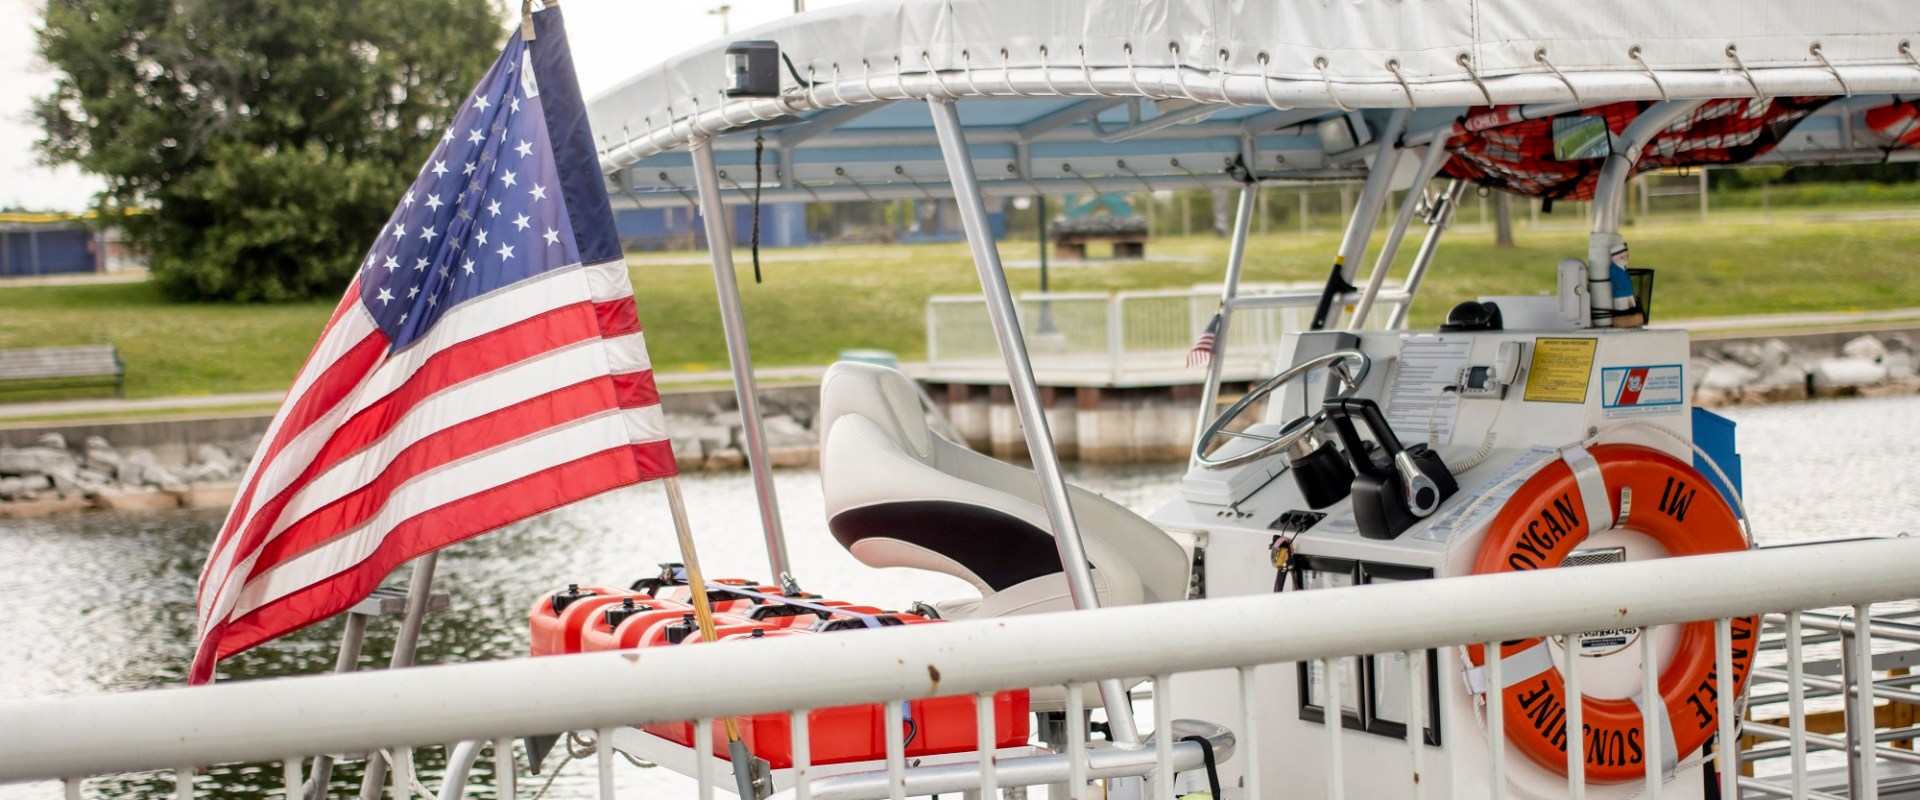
<point>759,147</point>
<point>1206,752</point>
<point>1337,285</point>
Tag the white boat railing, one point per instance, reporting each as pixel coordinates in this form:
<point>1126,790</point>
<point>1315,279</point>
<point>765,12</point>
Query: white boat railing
<point>1128,338</point>
<point>605,693</point>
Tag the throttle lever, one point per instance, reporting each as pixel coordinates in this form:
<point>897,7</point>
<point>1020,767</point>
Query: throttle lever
<point>1410,487</point>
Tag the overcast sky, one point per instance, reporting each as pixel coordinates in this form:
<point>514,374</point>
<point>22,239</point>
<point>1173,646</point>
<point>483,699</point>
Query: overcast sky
<point>611,40</point>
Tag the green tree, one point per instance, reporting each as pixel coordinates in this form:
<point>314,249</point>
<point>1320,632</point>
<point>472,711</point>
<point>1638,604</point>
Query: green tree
<point>255,147</point>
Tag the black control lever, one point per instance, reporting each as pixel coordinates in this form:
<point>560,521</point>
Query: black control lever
<point>1388,497</point>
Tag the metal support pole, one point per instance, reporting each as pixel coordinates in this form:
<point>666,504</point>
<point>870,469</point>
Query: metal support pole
<point>353,634</point>
<point>1229,289</point>
<point>1442,218</point>
<point>720,247</point>
<point>1366,213</point>
<point>1429,166</point>
<point>1026,391</point>
<point>419,590</point>
<point>744,767</point>
<point>1608,199</point>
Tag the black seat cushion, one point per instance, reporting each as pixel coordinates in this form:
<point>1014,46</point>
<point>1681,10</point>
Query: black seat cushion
<point>1000,549</point>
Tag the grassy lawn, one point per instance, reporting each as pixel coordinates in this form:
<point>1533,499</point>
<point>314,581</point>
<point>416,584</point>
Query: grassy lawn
<point>818,301</point>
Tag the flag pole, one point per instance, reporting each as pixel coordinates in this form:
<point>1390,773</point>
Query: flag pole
<point>744,767</point>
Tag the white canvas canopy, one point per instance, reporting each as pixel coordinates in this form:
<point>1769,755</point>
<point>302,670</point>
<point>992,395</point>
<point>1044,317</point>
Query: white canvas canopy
<point>1056,93</point>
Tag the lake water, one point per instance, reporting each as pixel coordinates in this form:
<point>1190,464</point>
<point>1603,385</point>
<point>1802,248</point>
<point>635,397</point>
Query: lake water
<point>104,602</point>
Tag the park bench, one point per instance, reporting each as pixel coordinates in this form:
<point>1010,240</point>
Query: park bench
<point>1127,233</point>
<point>46,367</point>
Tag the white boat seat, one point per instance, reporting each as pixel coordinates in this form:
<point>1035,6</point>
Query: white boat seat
<point>897,495</point>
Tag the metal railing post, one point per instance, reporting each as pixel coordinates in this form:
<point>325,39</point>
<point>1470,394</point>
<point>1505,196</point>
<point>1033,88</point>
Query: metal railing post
<point>801,725</point>
<point>1856,662</point>
<point>1417,720</point>
<point>1650,704</point>
<point>1575,722</point>
<point>1728,719</point>
<point>984,740</point>
<point>1334,713</point>
<point>1026,391</point>
<point>1249,732</point>
<point>1796,707</point>
<point>720,247</point>
<point>1230,289</point>
<point>1496,722</point>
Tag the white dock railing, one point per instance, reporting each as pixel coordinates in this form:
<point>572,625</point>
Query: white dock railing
<point>1130,338</point>
<point>604,693</point>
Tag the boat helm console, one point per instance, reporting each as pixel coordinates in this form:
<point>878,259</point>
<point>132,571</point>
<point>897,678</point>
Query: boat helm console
<point>1384,456</point>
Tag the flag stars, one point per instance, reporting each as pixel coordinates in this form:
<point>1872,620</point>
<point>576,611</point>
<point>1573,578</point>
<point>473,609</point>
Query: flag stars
<point>448,136</point>
<point>443,271</point>
<point>475,136</point>
<point>385,296</point>
<point>413,290</point>
<point>439,168</point>
<point>494,208</point>
<point>515,105</point>
<point>399,231</point>
<point>480,237</point>
<point>433,202</point>
<point>408,200</point>
<point>481,102</point>
<point>539,192</point>
<point>419,265</point>
<point>428,234</point>
<point>392,263</point>
<point>468,169</point>
<point>524,149</point>
<point>468,266</point>
<point>520,222</point>
<point>433,300</point>
<point>505,251</point>
<point>508,180</point>
<point>552,236</point>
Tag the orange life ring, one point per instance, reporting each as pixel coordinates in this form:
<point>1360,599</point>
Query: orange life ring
<point>1544,521</point>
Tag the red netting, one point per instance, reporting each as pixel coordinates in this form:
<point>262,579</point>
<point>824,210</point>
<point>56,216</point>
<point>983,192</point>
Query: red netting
<point>1517,156</point>
<point>1899,122</point>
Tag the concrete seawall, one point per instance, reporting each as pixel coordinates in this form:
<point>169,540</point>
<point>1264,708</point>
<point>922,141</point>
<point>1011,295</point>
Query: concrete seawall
<point>1092,424</point>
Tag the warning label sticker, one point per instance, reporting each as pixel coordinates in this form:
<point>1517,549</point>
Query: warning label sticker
<point>1648,389</point>
<point>1560,370</point>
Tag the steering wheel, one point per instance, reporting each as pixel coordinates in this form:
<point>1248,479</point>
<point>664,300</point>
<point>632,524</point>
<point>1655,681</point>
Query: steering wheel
<point>1336,363</point>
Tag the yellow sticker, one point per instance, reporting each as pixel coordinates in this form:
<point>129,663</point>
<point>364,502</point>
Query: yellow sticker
<point>1560,370</point>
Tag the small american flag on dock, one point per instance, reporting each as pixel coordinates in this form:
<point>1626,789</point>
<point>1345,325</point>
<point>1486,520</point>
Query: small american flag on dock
<point>1203,347</point>
<point>485,366</point>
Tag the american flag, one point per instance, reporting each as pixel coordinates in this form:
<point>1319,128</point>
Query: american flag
<point>1203,347</point>
<point>486,365</point>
